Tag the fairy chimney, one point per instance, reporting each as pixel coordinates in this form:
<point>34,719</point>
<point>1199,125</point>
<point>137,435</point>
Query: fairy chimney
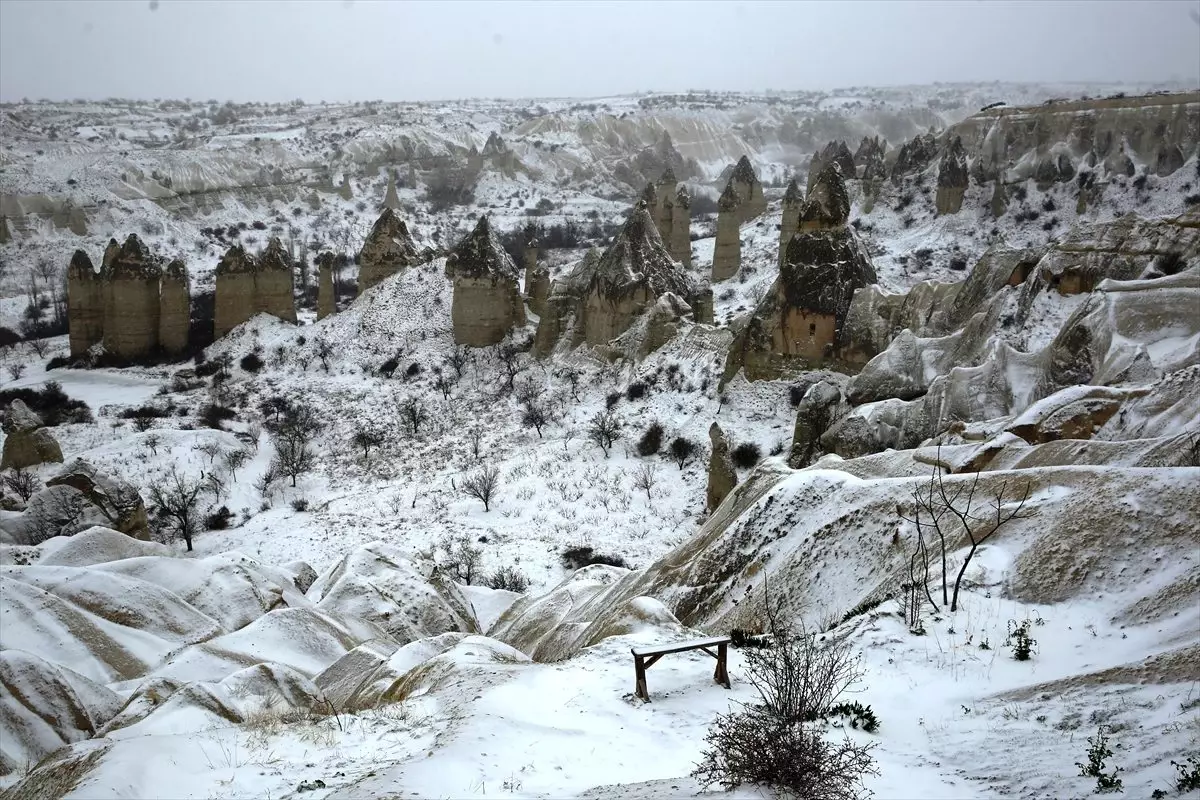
<point>827,206</point>
<point>487,302</point>
<point>537,278</point>
<point>390,198</point>
<point>85,304</point>
<point>749,190</point>
<point>727,253</point>
<point>131,306</point>
<point>680,242</point>
<point>952,178</point>
<point>387,249</point>
<point>832,153</point>
<point>663,212</point>
<point>247,286</point>
<point>326,302</point>
<point>174,320</point>
<point>790,223</point>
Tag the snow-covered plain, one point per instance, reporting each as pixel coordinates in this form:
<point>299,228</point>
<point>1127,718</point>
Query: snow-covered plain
<point>218,667</point>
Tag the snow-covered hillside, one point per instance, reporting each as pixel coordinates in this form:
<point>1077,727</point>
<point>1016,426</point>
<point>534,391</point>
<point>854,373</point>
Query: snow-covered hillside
<point>369,626</point>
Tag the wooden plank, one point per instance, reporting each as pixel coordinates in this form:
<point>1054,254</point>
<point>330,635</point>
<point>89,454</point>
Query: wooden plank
<point>679,647</point>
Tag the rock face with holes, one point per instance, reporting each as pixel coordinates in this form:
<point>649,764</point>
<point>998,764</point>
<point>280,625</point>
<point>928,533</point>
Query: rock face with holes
<point>727,252</point>
<point>789,225</point>
<point>85,304</point>
<point>800,323</point>
<point>26,442</point>
<point>326,301</point>
<point>388,249</point>
<point>749,190</point>
<point>487,300</point>
<point>605,294</point>
<point>952,178</point>
<point>131,304</point>
<point>174,320</point>
<point>247,286</point>
<point>721,475</point>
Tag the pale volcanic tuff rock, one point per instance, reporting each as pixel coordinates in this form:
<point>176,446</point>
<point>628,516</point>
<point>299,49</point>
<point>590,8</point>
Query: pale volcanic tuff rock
<point>680,242</point>
<point>832,153</point>
<point>727,251</point>
<point>174,319</point>
<point>326,302</point>
<point>914,156</point>
<point>247,286</point>
<point>790,222</point>
<point>26,442</point>
<point>952,178</point>
<point>721,475</point>
<point>131,308</point>
<point>487,301</point>
<point>827,206</point>
<point>85,304</point>
<point>750,191</point>
<point>388,249</point>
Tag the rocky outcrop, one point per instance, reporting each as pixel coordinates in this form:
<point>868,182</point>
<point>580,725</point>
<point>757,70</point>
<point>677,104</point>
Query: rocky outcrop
<point>819,407</point>
<point>388,249</point>
<point>326,301</point>
<point>247,286</point>
<point>789,225</point>
<point>174,320</point>
<point>1118,162</point>
<point>26,442</point>
<point>117,502</point>
<point>537,279</point>
<point>85,304</point>
<point>801,320</point>
<point>914,156</point>
<point>721,475</point>
<point>749,190</point>
<point>952,178</point>
<point>487,301</point>
<point>391,199</point>
<point>1073,413</point>
<point>727,252</point>
<point>679,244</point>
<point>869,159</point>
<point>832,153</point>
<point>604,294</point>
<point>131,304</point>
<point>827,206</point>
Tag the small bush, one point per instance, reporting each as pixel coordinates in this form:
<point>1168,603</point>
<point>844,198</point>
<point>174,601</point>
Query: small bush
<point>212,415</point>
<point>584,556</point>
<point>51,403</point>
<point>612,399</point>
<point>205,369</point>
<point>681,450</point>
<point>740,638</point>
<point>388,367</point>
<point>58,362</point>
<point>746,455</point>
<point>414,369</point>
<point>218,520</point>
<point>252,362</point>
<point>958,264</point>
<point>651,441</point>
<point>510,579</point>
<point>1188,778</point>
<point>857,714</point>
<point>635,391</point>
<point>153,412</point>
<point>1098,754</point>
<point>1019,640</point>
<point>1048,204</point>
<point>300,505</point>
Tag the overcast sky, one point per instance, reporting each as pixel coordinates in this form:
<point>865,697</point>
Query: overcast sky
<point>343,50</point>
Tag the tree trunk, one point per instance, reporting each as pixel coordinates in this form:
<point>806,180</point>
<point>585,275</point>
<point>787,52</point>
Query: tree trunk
<point>962,570</point>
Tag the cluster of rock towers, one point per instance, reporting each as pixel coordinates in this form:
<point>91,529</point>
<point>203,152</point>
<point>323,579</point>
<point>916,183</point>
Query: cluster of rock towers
<point>741,201</point>
<point>670,208</point>
<point>134,305</point>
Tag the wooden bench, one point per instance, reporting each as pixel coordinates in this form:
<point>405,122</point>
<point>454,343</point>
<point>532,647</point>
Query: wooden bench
<point>645,657</point>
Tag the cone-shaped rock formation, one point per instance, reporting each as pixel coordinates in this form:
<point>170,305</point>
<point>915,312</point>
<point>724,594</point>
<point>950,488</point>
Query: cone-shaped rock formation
<point>487,301</point>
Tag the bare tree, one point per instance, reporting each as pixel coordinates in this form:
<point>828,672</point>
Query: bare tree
<point>235,460</point>
<point>366,438</point>
<point>460,557</point>
<point>512,363</point>
<point>645,478</point>
<point>443,383</point>
<point>21,481</point>
<point>458,360</point>
<point>413,412</point>
<point>535,416</point>
<point>324,353</point>
<point>780,741</point>
<point>943,509</point>
<point>681,450</point>
<point>572,377</point>
<point>152,441</point>
<point>604,429</point>
<point>210,449</point>
<point>175,503</point>
<point>475,437</point>
<point>16,370</point>
<point>293,436</point>
<point>482,485</point>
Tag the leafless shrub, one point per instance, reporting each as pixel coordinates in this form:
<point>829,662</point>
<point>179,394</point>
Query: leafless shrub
<point>780,741</point>
<point>413,412</point>
<point>461,558</point>
<point>175,504</point>
<point>21,482</point>
<point>604,429</point>
<point>235,460</point>
<point>482,485</point>
<point>645,478</point>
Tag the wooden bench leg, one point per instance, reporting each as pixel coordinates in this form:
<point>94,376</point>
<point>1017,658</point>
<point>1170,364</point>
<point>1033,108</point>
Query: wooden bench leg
<point>639,672</point>
<point>721,674</point>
